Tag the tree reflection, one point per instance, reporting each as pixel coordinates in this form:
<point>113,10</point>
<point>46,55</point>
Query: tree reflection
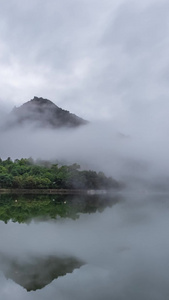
<point>24,208</point>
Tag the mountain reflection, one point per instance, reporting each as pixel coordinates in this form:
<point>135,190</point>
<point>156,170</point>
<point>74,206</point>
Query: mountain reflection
<point>23,208</point>
<point>37,272</point>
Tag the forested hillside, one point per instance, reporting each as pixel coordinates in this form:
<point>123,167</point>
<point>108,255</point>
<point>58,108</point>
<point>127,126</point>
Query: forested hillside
<point>26,174</point>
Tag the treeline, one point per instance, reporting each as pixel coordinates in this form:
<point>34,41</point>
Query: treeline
<point>26,174</point>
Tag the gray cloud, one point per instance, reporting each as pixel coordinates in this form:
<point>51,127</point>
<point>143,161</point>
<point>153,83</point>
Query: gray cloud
<point>85,55</point>
<point>106,62</point>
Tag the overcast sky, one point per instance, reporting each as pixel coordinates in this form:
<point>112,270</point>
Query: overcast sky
<point>106,61</point>
<point>99,59</point>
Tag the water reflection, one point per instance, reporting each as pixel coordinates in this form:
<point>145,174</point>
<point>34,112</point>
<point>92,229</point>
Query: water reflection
<point>37,272</point>
<point>125,250</point>
<point>23,208</point>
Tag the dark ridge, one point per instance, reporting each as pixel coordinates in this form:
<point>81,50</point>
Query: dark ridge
<point>43,113</point>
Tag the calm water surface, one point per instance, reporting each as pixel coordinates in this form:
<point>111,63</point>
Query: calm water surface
<point>84,247</point>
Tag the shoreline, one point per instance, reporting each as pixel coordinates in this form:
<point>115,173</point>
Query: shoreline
<point>42,191</point>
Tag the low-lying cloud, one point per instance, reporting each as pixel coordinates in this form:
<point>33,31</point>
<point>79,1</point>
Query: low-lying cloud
<point>120,150</point>
<point>107,64</point>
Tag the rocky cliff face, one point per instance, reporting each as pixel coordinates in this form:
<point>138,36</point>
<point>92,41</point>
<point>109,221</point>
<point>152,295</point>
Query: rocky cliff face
<point>43,113</point>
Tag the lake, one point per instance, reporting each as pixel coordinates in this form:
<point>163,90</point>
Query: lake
<point>109,246</point>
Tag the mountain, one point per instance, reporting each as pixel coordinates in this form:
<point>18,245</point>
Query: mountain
<point>43,113</point>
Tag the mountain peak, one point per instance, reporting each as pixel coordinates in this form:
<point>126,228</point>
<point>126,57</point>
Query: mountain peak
<point>41,101</point>
<point>43,113</point>
<point>38,101</point>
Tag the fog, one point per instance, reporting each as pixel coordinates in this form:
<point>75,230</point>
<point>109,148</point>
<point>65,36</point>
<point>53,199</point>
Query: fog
<point>120,149</point>
<point>105,62</point>
<point>125,250</point>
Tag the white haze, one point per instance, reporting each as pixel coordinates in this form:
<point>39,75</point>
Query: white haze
<point>106,61</point>
<point>117,148</point>
<point>98,59</point>
<point>125,250</point>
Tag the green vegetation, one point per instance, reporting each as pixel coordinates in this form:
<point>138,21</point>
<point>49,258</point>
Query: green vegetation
<point>26,174</point>
<point>22,208</point>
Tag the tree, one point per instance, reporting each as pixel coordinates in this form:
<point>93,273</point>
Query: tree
<point>5,180</point>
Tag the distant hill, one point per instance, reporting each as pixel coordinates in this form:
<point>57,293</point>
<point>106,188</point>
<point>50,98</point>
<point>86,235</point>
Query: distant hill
<point>42,113</point>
